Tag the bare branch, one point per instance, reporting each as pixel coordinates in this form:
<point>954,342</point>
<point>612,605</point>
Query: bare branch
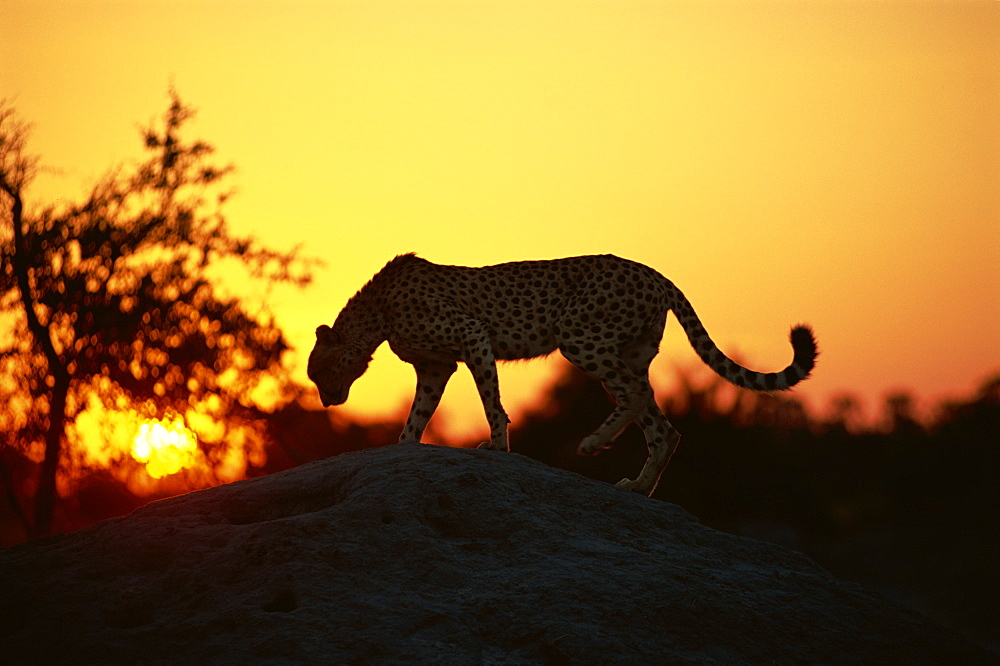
<point>17,167</point>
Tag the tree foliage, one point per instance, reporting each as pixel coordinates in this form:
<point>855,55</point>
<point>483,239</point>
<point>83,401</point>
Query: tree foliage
<point>125,286</point>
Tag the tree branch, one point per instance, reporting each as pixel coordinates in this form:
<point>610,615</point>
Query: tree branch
<point>21,270</point>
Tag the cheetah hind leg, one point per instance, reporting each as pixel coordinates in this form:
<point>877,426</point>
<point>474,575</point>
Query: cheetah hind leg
<point>661,440</point>
<point>602,438</point>
<point>630,398</point>
<point>630,391</point>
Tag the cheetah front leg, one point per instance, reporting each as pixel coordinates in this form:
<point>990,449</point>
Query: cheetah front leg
<point>482,364</point>
<point>432,377</point>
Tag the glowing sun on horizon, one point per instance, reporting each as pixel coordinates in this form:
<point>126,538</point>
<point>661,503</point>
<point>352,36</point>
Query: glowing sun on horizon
<point>165,446</point>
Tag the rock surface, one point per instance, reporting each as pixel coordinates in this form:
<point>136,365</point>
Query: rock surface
<point>423,554</point>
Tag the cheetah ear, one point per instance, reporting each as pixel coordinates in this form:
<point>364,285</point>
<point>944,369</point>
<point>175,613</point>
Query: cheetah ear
<point>326,335</point>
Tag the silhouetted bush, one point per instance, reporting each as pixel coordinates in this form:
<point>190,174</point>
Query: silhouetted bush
<point>114,304</point>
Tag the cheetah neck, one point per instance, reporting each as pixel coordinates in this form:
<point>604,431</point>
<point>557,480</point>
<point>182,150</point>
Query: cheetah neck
<point>362,322</point>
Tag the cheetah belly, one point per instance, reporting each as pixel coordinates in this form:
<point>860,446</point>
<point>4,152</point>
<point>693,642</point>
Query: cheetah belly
<point>415,353</point>
<point>516,345</point>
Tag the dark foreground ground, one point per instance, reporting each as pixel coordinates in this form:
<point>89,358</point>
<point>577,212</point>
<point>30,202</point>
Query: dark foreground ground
<point>422,554</point>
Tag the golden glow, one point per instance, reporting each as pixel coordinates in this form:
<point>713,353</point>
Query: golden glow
<point>166,447</point>
<point>830,162</point>
<point>155,456</point>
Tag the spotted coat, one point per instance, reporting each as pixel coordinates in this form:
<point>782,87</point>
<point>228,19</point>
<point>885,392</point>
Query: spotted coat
<point>605,314</point>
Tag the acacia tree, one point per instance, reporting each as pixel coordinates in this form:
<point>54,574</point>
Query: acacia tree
<point>114,299</point>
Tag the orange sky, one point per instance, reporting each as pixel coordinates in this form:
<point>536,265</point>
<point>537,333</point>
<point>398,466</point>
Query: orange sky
<point>830,162</point>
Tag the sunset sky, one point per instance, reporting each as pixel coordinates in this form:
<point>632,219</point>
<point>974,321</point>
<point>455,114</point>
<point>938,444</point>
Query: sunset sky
<point>836,163</point>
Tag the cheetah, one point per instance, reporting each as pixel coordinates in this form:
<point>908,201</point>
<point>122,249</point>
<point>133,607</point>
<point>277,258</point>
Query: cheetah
<point>605,314</point>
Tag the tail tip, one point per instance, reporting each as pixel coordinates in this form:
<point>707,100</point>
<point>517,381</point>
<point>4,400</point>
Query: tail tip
<point>804,345</point>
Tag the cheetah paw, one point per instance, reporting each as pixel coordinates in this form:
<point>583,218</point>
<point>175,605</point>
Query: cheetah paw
<point>591,445</point>
<point>491,446</point>
<point>631,484</point>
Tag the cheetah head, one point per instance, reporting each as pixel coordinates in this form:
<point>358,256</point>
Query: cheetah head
<point>334,365</point>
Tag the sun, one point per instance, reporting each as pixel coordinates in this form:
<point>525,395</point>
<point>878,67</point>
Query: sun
<point>165,446</point>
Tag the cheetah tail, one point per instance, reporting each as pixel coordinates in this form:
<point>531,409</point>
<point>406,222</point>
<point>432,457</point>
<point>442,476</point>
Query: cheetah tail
<point>803,346</point>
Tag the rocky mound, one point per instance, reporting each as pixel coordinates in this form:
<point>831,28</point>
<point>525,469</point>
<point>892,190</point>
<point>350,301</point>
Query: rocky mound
<point>415,553</point>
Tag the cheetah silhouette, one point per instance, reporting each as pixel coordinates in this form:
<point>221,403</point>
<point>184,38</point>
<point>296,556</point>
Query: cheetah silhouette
<point>605,314</point>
